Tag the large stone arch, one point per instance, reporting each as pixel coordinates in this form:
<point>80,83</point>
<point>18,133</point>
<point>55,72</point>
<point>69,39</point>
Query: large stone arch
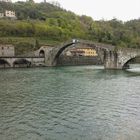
<point>52,53</point>
<point>21,62</point>
<point>57,55</point>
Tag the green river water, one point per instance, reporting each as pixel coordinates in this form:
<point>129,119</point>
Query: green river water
<point>69,103</point>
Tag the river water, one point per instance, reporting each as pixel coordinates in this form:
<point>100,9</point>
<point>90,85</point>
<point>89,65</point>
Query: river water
<point>69,103</point>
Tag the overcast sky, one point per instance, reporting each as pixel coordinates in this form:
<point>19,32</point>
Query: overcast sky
<point>103,9</point>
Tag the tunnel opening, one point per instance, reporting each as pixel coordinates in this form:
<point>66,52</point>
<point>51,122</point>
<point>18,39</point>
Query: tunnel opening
<point>22,63</point>
<point>42,53</point>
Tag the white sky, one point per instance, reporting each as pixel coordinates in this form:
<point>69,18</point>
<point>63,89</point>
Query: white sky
<point>103,9</point>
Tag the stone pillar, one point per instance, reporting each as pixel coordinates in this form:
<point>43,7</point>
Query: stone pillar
<point>49,59</point>
<point>111,60</point>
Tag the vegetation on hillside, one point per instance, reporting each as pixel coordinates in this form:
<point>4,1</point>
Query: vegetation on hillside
<point>45,21</point>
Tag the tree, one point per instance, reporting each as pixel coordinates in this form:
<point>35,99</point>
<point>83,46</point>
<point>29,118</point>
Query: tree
<point>55,3</point>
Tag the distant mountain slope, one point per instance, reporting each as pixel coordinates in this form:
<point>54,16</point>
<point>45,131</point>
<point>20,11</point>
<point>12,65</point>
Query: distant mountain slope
<point>49,22</point>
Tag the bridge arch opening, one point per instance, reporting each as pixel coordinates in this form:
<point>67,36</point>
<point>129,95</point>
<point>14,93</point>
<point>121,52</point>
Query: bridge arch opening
<point>59,52</point>
<point>133,62</point>
<point>42,53</point>
<point>78,60</point>
<point>4,63</point>
<point>21,63</point>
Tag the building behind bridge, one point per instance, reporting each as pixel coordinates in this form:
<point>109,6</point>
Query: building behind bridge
<point>5,13</point>
<point>83,51</point>
<point>79,55</point>
<point>8,14</point>
<point>7,50</point>
<point>5,1</point>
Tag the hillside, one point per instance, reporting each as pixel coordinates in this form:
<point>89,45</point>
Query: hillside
<point>46,23</point>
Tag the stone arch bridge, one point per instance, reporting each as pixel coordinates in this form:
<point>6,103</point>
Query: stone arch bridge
<point>111,57</point>
<point>17,61</point>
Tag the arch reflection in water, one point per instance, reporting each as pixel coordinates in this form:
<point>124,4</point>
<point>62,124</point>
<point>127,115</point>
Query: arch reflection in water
<point>22,63</point>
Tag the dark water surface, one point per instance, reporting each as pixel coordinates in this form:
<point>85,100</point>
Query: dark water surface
<point>69,103</point>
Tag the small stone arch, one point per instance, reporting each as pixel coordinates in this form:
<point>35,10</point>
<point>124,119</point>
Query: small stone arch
<point>42,53</point>
<point>21,63</point>
<point>4,63</point>
<point>126,64</point>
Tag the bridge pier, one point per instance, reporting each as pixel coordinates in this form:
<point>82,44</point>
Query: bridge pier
<point>120,58</point>
<point>49,60</point>
<point>111,60</point>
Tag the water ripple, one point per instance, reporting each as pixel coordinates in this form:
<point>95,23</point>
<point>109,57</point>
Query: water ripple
<point>69,103</point>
